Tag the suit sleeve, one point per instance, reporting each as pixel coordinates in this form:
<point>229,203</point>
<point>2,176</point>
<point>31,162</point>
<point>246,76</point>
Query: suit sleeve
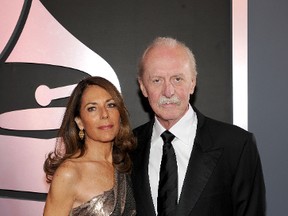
<point>248,190</point>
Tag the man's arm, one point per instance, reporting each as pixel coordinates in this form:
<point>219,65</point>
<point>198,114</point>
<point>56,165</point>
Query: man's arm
<point>248,190</point>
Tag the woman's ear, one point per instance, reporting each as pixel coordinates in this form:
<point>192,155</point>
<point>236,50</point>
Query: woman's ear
<point>79,123</point>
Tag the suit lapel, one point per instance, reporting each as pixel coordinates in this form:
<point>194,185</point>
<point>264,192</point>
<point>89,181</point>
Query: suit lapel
<point>199,170</point>
<point>202,162</point>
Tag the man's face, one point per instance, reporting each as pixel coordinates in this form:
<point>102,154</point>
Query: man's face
<point>167,81</point>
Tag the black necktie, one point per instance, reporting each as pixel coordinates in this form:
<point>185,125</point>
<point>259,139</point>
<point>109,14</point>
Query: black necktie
<point>168,182</point>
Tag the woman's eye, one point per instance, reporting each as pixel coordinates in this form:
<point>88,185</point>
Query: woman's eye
<point>112,105</point>
<point>90,109</point>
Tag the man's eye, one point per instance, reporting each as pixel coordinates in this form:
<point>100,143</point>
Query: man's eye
<point>156,80</point>
<point>177,80</point>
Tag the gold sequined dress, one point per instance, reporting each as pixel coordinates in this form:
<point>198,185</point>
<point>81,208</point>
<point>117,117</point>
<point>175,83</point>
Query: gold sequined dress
<point>115,202</point>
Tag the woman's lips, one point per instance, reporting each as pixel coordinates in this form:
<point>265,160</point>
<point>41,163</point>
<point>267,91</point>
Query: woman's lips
<point>105,127</point>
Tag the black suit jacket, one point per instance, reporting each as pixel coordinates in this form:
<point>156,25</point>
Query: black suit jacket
<point>224,174</point>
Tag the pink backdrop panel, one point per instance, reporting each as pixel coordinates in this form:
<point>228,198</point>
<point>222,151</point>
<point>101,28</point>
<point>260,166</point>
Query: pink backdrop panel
<point>24,158</point>
<point>9,14</point>
<point>11,207</point>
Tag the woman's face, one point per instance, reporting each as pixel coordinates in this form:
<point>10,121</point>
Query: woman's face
<point>99,115</point>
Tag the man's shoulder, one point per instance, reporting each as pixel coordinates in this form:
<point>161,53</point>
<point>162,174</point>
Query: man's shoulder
<point>223,134</point>
<point>216,125</point>
<point>220,130</point>
<point>211,124</point>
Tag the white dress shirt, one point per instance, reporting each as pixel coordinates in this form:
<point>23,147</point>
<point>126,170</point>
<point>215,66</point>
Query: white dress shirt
<point>184,131</point>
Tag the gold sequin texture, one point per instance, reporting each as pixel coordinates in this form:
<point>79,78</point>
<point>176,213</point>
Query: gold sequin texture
<point>117,201</point>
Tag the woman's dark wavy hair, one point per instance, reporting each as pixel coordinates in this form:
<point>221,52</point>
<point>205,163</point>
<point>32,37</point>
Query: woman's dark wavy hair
<point>68,141</point>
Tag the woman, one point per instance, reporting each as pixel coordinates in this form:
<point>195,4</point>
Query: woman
<point>88,170</point>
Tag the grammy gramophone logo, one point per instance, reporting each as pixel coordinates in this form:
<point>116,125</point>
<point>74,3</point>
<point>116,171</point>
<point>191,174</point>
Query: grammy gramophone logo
<point>41,62</point>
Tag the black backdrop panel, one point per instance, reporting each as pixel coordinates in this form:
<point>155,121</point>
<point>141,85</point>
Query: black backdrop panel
<point>119,31</point>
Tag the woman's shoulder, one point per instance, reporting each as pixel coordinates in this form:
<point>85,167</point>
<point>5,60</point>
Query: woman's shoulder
<point>67,172</point>
<point>63,186</point>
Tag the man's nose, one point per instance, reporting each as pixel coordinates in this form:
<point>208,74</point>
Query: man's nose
<point>168,90</point>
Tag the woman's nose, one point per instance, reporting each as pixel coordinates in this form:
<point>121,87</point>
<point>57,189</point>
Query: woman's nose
<point>104,113</point>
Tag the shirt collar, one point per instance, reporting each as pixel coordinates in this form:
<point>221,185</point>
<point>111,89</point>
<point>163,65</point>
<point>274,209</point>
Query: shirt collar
<point>184,129</point>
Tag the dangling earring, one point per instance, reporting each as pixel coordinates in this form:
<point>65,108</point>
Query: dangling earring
<point>81,134</point>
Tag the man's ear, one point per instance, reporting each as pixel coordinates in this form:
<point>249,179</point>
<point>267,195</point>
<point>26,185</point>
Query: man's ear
<point>192,89</point>
<point>142,87</point>
<point>79,123</point>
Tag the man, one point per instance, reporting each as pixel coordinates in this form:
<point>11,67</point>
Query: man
<point>218,169</point>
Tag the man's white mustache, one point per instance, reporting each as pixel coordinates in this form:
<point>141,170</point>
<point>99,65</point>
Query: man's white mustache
<point>172,100</point>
